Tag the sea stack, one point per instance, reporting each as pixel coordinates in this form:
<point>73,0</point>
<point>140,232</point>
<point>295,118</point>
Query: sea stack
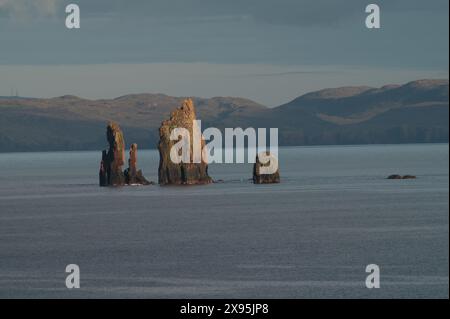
<point>170,173</point>
<point>133,176</point>
<point>259,177</point>
<point>111,173</point>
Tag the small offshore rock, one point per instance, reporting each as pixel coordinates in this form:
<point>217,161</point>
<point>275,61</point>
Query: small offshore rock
<point>396,176</point>
<point>259,178</point>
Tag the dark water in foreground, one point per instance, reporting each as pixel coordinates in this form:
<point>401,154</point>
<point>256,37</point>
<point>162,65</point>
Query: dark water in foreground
<point>311,236</point>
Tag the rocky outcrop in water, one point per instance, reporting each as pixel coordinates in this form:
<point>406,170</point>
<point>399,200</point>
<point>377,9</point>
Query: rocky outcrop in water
<point>259,177</point>
<point>395,176</point>
<point>111,173</point>
<point>133,176</point>
<point>111,167</point>
<point>180,173</point>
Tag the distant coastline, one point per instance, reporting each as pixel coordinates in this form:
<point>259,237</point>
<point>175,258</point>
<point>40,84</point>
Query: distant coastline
<point>416,112</point>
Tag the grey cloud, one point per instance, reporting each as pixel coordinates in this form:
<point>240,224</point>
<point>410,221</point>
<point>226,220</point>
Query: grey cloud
<point>283,12</point>
<point>288,32</point>
<point>28,8</point>
<point>247,47</point>
<point>291,73</point>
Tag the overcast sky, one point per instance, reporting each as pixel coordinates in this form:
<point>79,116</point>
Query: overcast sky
<point>267,50</point>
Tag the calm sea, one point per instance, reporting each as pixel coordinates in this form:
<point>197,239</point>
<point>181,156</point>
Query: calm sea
<point>311,236</point>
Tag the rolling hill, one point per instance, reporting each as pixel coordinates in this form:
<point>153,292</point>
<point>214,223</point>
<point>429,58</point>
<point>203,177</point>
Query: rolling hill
<point>416,112</point>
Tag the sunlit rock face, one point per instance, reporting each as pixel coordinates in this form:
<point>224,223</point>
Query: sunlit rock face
<point>111,167</point>
<point>180,173</point>
<point>133,175</point>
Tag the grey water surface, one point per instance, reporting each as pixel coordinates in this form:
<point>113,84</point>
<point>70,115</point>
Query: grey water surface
<point>311,236</point>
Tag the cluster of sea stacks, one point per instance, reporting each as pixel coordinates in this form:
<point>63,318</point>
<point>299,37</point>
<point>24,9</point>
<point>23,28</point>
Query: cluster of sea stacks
<point>169,173</point>
<point>111,167</point>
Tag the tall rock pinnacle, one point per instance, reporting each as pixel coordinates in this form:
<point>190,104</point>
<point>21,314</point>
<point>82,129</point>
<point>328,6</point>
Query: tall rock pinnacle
<point>181,173</point>
<point>133,176</point>
<point>111,173</point>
